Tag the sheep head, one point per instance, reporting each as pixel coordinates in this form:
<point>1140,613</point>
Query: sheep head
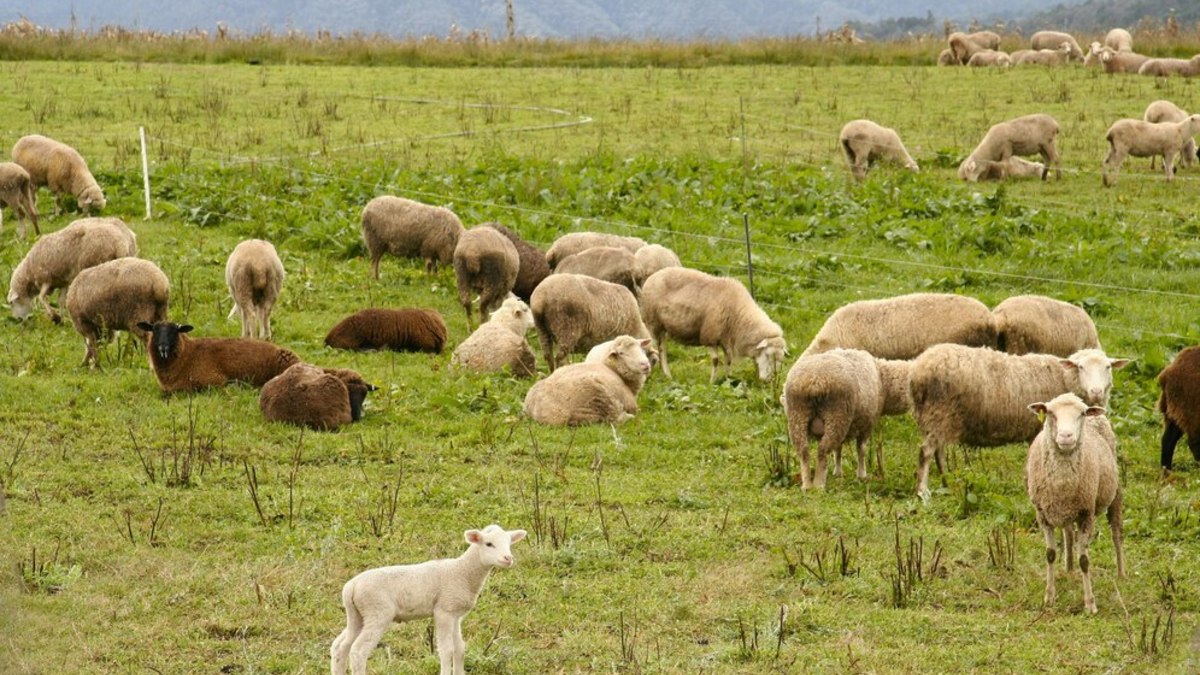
<point>91,198</point>
<point>1063,419</point>
<point>164,337</point>
<point>21,305</point>
<point>1093,371</point>
<point>629,355</point>
<point>768,355</point>
<point>494,544</point>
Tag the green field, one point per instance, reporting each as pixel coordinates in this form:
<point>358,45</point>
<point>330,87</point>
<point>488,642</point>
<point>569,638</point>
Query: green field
<point>675,543</point>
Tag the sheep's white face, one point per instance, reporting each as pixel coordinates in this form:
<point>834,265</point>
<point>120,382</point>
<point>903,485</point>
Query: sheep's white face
<point>91,199</point>
<point>769,355</point>
<point>494,544</point>
<point>1064,418</point>
<point>514,307</point>
<point>21,307</point>
<point>1095,374</point>
<point>629,354</point>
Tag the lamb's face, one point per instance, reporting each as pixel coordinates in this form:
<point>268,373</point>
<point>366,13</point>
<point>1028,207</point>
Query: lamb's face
<point>1064,417</point>
<point>628,354</point>
<point>769,355</point>
<point>519,312</point>
<point>164,337</point>
<point>494,544</point>
<point>1095,374</point>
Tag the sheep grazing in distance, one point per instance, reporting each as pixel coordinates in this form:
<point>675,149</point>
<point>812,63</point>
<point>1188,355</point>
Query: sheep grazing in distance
<point>593,393</point>
<point>1179,404</point>
<point>976,171</point>
<point>533,267</point>
<point>18,193</point>
<point>978,396</point>
<point>500,342</point>
<point>1045,57</point>
<point>694,308</point>
<point>985,38</point>
<point>57,258</point>
<point>1164,111</point>
<point>1049,39</point>
<point>989,58</point>
<point>401,330</point>
<point>1036,324</point>
<point>1119,40</point>
<point>904,326</point>
<point>574,312</point>
<point>1071,476</point>
<point>946,58</point>
<point>188,364</point>
<point>1027,135</point>
<point>487,263</point>
<point>61,168</point>
<point>1121,62</point>
<point>317,398</point>
<point>650,259</point>
<point>865,142</point>
<point>608,263</point>
<point>1167,67</point>
<point>409,229</point>
<point>570,244</point>
<point>116,295</point>
<point>837,396</point>
<point>254,274</point>
<point>1137,138</point>
<point>445,590</point>
<point>963,47</point>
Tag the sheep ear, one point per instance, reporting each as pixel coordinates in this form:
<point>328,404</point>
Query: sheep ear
<point>185,328</point>
<point>473,536</point>
<point>1119,363</point>
<point>1094,411</point>
<point>1038,409</point>
<point>645,343</point>
<point>145,326</point>
<point>1068,364</point>
<point>516,535</point>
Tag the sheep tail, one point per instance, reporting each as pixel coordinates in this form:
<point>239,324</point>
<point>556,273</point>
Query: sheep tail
<point>847,150</point>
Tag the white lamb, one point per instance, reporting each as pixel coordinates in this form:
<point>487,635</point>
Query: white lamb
<point>1164,111</point>
<point>865,142</point>
<point>445,589</point>
<point>975,171</point>
<point>1049,39</point>
<point>1026,135</point>
<point>593,392</point>
<point>1144,139</point>
<point>500,342</point>
<point>1121,62</point>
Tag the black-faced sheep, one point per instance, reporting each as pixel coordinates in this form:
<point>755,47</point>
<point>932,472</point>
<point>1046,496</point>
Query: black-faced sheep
<point>61,168</point>
<point>1165,111</point>
<point>18,193</point>
<point>409,229</point>
<point>254,274</point>
<point>592,393</point>
<point>402,330</point>
<point>533,268</point>
<point>906,325</point>
<point>1050,39</point>
<point>117,295</point>
<point>318,398</point>
<point>1027,135</point>
<point>574,312</point>
<point>1036,324</point>
<point>570,244</point>
<point>650,259</point>
<point>1137,138</point>
<point>1179,403</point>
<point>608,263</point>
<point>864,142</point>
<point>485,263</point>
<point>182,363</point>
<point>500,343</point>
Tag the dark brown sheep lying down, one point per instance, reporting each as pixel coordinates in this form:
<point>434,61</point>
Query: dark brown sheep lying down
<point>313,397</point>
<point>402,330</point>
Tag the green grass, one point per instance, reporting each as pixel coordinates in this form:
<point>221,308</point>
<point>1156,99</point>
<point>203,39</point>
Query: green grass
<point>667,545</point>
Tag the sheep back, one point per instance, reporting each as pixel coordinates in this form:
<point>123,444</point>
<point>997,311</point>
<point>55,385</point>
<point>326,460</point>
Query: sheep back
<point>409,229</point>
<point>614,264</point>
<point>317,398</point>
<point>904,326</point>
<point>577,312</point>
<point>1036,324</point>
<point>581,393</point>
<point>533,268</point>
<point>485,262</point>
<point>570,244</point>
<point>117,295</point>
<point>838,392</point>
<point>492,348</point>
<point>651,258</point>
<point>254,275</point>
<point>416,330</point>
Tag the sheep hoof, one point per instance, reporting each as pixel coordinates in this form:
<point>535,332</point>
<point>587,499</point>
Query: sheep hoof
<point>924,494</point>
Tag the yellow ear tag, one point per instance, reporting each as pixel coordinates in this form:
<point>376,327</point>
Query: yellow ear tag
<point>1041,417</point>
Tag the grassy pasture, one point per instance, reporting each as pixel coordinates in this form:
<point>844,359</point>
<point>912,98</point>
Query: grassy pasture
<point>674,543</point>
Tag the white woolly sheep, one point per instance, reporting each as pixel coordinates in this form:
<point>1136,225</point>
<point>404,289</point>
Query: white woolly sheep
<point>1121,62</point>
<point>500,342</point>
<point>963,47</point>
<point>1164,111</point>
<point>1137,138</point>
<point>181,363</point>
<point>1119,39</point>
<point>574,312</point>
<point>978,396</point>
<point>985,38</point>
<point>445,589</point>
<point>946,58</point>
<point>836,396</point>
<point>254,274</point>
<point>609,263</point>
<point>593,393</point>
<point>409,229</point>
<point>1071,476</point>
<point>570,244</point>
<point>981,170</point>
<point>116,295</point>
<point>865,142</point>
<point>1036,324</point>
<point>1044,57</point>
<point>1050,39</point>
<point>18,193</point>
<point>904,326</point>
<point>61,168</point>
<point>55,259</point>
<point>650,259</point>
<point>485,262</point>
<point>1167,67</point>
<point>1092,58</point>
<point>989,58</point>
<point>694,308</point>
<point>1027,135</point>
<point>317,398</point>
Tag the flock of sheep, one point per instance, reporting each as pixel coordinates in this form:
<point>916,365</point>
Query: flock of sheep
<point>1054,48</point>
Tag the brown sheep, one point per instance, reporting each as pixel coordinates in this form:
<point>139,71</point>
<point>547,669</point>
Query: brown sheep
<point>1180,404</point>
<point>61,168</point>
<point>402,330</point>
<point>18,193</point>
<point>318,398</point>
<point>188,364</point>
<point>533,267</point>
<point>485,262</point>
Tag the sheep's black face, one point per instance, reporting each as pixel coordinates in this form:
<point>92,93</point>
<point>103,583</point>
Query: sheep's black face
<point>358,394</point>
<point>164,337</point>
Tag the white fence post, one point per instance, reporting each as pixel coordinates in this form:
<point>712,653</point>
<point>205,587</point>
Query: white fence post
<point>145,170</point>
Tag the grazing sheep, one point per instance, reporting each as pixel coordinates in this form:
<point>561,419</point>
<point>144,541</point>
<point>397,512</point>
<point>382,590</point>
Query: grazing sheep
<point>485,262</point>
<point>445,589</point>
<point>318,398</point>
<point>1045,57</point>
<point>254,274</point>
<point>116,295</point>
<point>1164,111</point>
<point>574,312</point>
<point>1049,39</point>
<point>985,38</point>
<point>694,308</point>
<point>1036,324</point>
<point>865,142</point>
<point>188,364</point>
<point>906,325</point>
<point>1167,67</point>
<point>650,259</point>
<point>55,259</point>
<point>836,396</point>
<point>976,171</point>
<point>1121,62</point>
<point>946,58</point>
<point>963,47</point>
<point>570,244</point>
<point>61,168</point>
<point>402,330</point>
<point>593,393</point>
<point>18,193</point>
<point>989,58</point>
<point>1119,39</point>
<point>1071,476</point>
<point>409,229</point>
<point>978,396</point>
<point>1027,135</point>
<point>1143,139</point>
<point>609,263</point>
<point>533,267</point>
<point>500,342</point>
<point>1179,404</point>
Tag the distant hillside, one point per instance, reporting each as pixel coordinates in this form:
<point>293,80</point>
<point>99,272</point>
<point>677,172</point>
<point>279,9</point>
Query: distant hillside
<point>1099,15</point>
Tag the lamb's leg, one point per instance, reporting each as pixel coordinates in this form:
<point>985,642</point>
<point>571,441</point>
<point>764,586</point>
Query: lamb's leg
<point>1087,527</point>
<point>339,652</point>
<point>368,636</point>
<point>1116,526</point>
<point>1051,555</point>
<point>1170,438</point>
<point>445,627</point>
<point>460,648</point>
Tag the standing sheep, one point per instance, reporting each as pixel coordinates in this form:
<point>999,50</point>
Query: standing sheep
<point>409,229</point>
<point>1136,138</point>
<point>318,398</point>
<point>500,342</point>
<point>904,326</point>
<point>593,393</point>
<point>533,267</point>
<point>963,47</point>
<point>55,259</point>
<point>61,168</point>
<point>189,364</point>
<point>1167,67</point>
<point>1164,111</point>
<point>1049,39</point>
<point>650,259</point>
<point>1179,404</point>
<point>1036,324</point>
<point>116,295</point>
<point>254,274</point>
<point>574,312</point>
<point>402,330</point>
<point>1119,40</point>
<point>1071,476</point>
<point>865,142</point>
<point>608,263</point>
<point>694,308</point>
<point>485,262</point>
<point>570,244</point>
<point>445,589</point>
<point>18,193</point>
<point>1027,135</point>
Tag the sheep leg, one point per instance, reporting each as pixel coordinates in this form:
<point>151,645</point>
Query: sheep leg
<point>797,426</point>
<point>50,311</point>
<point>339,652</point>
<point>375,264</point>
<point>547,342</point>
<point>830,443</point>
<point>1051,555</point>
<point>1170,438</point>
<point>714,356</point>
<point>929,449</point>
<point>264,320</point>
<point>1116,526</point>
<point>1169,165</point>
<point>90,358</point>
<point>448,632</point>
<point>1087,527</point>
<point>660,341</point>
<point>1069,545</point>
<point>368,636</point>
<point>861,469</point>
<point>1112,166</point>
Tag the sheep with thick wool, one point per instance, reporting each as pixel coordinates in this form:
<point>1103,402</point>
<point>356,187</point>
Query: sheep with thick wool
<point>570,244</point>
<point>401,330</point>
<point>18,193</point>
<point>1165,111</point>
<point>651,258</point>
<point>1167,67</point>
<point>445,589</point>
<point>1051,39</point>
<point>61,168</point>
<point>182,363</point>
<point>963,47</point>
<point>500,342</point>
<point>317,398</point>
<point>614,264</point>
<point>906,325</point>
<point>485,263</point>
<point>1026,135</point>
<point>532,269</point>
<point>1036,324</point>
<point>593,393</point>
<point>1119,39</point>
<point>116,295</point>
<point>864,142</point>
<point>254,275</point>
<point>575,312</point>
<point>1179,404</point>
<point>989,58</point>
<point>1121,62</point>
<point>1044,57</point>
<point>409,229</point>
<point>1138,138</point>
<point>975,171</point>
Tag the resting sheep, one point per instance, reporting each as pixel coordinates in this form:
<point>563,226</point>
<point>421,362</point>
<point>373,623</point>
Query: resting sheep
<point>989,58</point>
<point>904,326</point>
<point>409,229</point>
<point>650,259</point>
<point>608,263</point>
<point>254,274</point>
<point>1071,476</point>
<point>1164,111</point>
<point>500,342</point>
<point>533,268</point>
<point>402,330</point>
<point>116,295</point>
<point>1027,135</point>
<point>445,589</point>
<point>1121,62</point>
<point>570,244</point>
<point>18,193</point>
<point>188,364</point>
<point>975,171</point>
<point>593,393</point>
<point>574,312</point>
<point>1137,138</point>
<point>1179,404</point>
<point>1167,67</point>
<point>1049,39</point>
<point>61,168</point>
<point>485,263</point>
<point>865,142</point>
<point>317,398</point>
<point>1036,324</point>
<point>1119,39</point>
<point>1045,57</point>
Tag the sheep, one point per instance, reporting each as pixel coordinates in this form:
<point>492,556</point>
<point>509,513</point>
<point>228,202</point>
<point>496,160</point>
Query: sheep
<point>593,393</point>
<point>533,267</point>
<point>1071,475</point>
<point>500,342</point>
<point>322,399</point>
<point>946,58</point>
<point>445,589</point>
<point>963,47</point>
<point>977,396</point>
<point>55,259</point>
<point>1049,39</point>
<point>1027,135</point>
<point>485,262</point>
<point>402,330</point>
<point>1137,138</point>
<point>570,244</point>
<point>986,58</point>
<point>1167,67</point>
<point>409,229</point>
<point>1045,57</point>
<point>1121,62</point>
<point>650,259</point>
<point>609,263</point>
<point>975,171</point>
<point>985,38</point>
<point>865,142</point>
<point>254,274</point>
<point>18,193</point>
<point>906,325</point>
<point>181,363</point>
<point>838,395</point>
<point>574,312</point>
<point>695,308</point>
<point>1165,111</point>
<point>1119,40</point>
<point>61,168</point>
<point>1036,324</point>
<point>116,295</point>
<point>1180,385</point>
<point>1091,59</point>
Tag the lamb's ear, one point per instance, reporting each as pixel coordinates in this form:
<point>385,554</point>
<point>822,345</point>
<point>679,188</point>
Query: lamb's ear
<point>516,535</point>
<point>148,327</point>
<point>1068,364</point>
<point>185,328</point>
<point>1094,411</point>
<point>645,343</point>
<point>473,536</point>
<point>1119,363</point>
